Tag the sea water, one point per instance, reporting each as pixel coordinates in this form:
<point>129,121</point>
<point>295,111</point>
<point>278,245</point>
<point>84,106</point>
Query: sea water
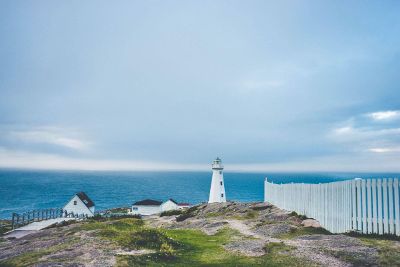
<point>23,190</point>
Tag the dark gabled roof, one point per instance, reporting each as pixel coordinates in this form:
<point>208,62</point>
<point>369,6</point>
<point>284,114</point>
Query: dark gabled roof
<point>148,202</point>
<point>173,201</point>
<point>85,199</point>
<point>183,204</point>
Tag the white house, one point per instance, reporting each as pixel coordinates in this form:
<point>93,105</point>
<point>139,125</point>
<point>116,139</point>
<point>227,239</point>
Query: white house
<point>146,207</point>
<point>149,206</point>
<point>80,205</point>
<point>170,204</point>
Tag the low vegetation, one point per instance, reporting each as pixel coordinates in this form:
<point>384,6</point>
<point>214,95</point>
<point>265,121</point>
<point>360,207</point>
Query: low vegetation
<point>170,213</point>
<point>301,231</point>
<point>388,250</point>
<point>233,234</point>
<point>5,226</point>
<point>189,213</point>
<point>295,214</point>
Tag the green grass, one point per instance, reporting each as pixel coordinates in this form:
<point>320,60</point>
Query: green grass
<point>5,226</point>
<point>389,251</point>
<point>214,214</point>
<point>300,231</point>
<point>198,249</point>
<point>180,247</point>
<point>251,214</point>
<point>185,247</point>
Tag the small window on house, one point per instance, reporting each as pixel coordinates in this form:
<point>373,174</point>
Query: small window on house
<point>222,195</point>
<point>75,202</point>
<point>220,183</point>
<point>134,208</point>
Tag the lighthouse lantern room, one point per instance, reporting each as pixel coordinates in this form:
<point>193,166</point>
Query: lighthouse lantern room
<point>217,191</point>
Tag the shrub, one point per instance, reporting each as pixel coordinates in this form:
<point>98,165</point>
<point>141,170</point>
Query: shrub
<point>167,249</point>
<point>295,214</point>
<point>170,213</point>
<point>273,247</point>
<point>151,239</point>
<point>190,212</point>
<point>108,217</point>
<point>260,208</point>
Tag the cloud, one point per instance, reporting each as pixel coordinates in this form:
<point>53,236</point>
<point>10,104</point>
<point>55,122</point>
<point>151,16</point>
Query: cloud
<point>344,130</point>
<point>29,160</point>
<point>384,149</point>
<point>51,135</point>
<point>387,115</point>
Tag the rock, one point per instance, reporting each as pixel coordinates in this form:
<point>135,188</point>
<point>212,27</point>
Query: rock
<point>250,247</point>
<point>273,230</point>
<point>311,223</point>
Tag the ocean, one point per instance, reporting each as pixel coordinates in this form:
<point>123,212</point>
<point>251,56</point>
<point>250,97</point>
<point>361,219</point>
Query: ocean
<point>25,190</point>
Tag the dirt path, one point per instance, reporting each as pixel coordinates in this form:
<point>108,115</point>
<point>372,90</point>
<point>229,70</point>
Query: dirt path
<point>244,229</point>
<point>308,252</point>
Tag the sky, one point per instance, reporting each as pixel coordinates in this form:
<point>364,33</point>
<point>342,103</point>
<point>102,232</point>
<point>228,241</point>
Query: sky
<point>170,85</point>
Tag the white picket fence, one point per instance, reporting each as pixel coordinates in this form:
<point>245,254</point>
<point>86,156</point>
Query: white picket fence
<point>363,205</point>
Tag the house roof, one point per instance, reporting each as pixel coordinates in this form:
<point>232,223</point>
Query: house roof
<point>85,199</point>
<point>148,202</point>
<point>173,201</point>
<point>183,204</point>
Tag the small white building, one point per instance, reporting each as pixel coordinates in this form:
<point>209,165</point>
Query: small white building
<point>150,206</point>
<point>80,205</point>
<point>146,207</point>
<point>217,190</point>
<point>170,204</point>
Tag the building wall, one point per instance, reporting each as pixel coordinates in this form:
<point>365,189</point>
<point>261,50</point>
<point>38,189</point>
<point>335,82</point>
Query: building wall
<point>80,207</point>
<point>146,210</point>
<point>169,205</point>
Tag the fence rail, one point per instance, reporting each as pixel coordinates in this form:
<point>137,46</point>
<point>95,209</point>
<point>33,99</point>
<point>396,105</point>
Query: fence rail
<point>363,205</point>
<point>19,220</point>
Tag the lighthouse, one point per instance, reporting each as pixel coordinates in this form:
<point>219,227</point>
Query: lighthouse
<point>217,191</point>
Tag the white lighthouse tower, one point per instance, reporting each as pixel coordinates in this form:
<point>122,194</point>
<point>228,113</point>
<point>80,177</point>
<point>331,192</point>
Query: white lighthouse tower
<point>217,191</point>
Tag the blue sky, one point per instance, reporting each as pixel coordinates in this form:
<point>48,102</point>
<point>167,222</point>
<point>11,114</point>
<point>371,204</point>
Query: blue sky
<point>266,85</point>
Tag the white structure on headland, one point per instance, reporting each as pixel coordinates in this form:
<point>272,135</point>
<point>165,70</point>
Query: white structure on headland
<point>369,206</point>
<point>80,205</point>
<point>217,191</point>
<point>150,206</point>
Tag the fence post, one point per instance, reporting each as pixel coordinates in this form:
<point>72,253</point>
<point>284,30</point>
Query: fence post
<point>391,210</point>
<point>396,205</point>
<point>12,221</point>
<point>369,207</point>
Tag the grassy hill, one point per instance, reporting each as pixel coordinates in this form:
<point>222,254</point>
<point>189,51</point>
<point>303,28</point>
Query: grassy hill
<point>230,234</point>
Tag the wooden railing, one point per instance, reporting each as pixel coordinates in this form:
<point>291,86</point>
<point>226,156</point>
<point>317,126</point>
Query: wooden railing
<point>19,220</point>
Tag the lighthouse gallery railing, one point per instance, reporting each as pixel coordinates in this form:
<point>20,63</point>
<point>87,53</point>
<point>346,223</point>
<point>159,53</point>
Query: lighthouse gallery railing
<point>362,205</point>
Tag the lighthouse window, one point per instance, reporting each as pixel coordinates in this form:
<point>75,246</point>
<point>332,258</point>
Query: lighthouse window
<point>220,183</point>
<point>220,172</point>
<point>222,195</point>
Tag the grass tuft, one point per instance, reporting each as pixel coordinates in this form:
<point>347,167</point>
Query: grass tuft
<point>300,231</point>
<point>170,213</point>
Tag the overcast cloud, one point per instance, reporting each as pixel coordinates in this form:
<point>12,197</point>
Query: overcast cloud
<point>266,85</point>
